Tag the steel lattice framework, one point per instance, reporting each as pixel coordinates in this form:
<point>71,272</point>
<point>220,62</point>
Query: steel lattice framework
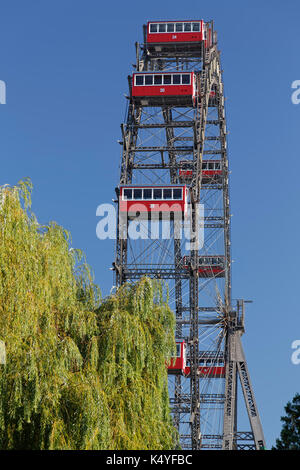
<point>157,141</point>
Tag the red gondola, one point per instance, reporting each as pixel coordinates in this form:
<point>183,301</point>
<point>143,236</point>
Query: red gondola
<point>178,363</point>
<point>163,35</point>
<point>157,88</point>
<point>143,201</point>
<point>211,171</point>
<point>209,266</point>
<point>211,368</point>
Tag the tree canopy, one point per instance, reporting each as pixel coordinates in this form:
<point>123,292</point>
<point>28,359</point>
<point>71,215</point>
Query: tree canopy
<point>290,433</point>
<point>82,372</point>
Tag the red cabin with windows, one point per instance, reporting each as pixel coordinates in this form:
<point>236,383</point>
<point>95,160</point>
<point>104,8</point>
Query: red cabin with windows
<point>169,88</point>
<point>211,367</point>
<point>164,36</point>
<point>178,363</point>
<point>211,171</point>
<point>145,201</point>
<point>209,265</point>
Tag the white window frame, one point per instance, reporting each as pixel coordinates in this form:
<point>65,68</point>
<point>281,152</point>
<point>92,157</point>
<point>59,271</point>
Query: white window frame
<point>139,75</point>
<point>162,24</point>
<point>181,199</point>
<point>152,194</point>
<point>123,194</point>
<point>171,75</point>
<point>153,32</point>
<point>162,75</point>
<point>159,75</point>
<point>148,199</point>
<point>179,22</point>
<point>196,22</point>
<point>139,199</point>
<point>187,22</point>
<point>189,74</point>
<point>170,32</point>
<point>175,23</point>
<point>167,198</point>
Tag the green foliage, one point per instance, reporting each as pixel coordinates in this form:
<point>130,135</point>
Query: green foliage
<point>290,433</point>
<point>81,372</point>
<point>136,340</point>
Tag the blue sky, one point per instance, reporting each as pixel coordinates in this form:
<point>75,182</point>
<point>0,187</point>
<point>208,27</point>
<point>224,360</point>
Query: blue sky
<point>65,64</point>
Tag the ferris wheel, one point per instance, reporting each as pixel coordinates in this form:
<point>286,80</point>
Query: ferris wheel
<point>174,225</point>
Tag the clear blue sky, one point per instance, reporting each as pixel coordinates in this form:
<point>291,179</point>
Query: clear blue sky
<point>65,64</point>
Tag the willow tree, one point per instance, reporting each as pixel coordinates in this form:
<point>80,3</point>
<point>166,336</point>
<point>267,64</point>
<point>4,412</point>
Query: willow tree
<point>137,337</point>
<point>81,372</point>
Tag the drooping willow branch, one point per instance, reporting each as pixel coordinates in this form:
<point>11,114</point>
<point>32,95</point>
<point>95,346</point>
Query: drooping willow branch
<point>81,372</point>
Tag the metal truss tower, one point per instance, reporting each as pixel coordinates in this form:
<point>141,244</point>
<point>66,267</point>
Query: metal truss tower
<point>157,143</point>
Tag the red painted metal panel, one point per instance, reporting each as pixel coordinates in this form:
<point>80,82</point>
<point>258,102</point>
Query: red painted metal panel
<point>210,270</point>
<point>215,372</point>
<point>157,206</point>
<point>174,37</point>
